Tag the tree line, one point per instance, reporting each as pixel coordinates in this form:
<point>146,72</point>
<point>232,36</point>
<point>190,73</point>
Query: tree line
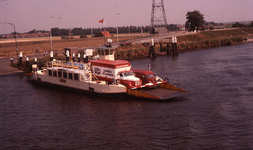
<point>113,30</point>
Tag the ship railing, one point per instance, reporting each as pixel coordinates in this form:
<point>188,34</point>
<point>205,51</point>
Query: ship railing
<point>74,65</point>
<point>94,78</point>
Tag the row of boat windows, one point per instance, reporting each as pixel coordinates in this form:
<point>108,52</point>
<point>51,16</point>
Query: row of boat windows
<point>65,75</point>
<point>105,52</point>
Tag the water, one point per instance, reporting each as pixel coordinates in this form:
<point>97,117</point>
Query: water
<point>216,114</point>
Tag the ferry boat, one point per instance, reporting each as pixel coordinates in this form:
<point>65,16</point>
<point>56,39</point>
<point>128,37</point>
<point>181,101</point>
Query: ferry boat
<point>76,76</point>
<point>104,76</point>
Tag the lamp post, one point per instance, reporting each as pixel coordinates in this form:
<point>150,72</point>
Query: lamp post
<point>15,35</point>
<point>181,18</point>
<point>91,31</point>
<point>117,27</point>
<point>129,28</point>
<point>51,32</point>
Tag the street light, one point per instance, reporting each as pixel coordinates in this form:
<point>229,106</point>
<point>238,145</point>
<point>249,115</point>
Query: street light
<point>129,28</point>
<point>117,26</point>
<point>181,17</point>
<point>51,32</point>
<point>15,35</point>
<point>91,31</point>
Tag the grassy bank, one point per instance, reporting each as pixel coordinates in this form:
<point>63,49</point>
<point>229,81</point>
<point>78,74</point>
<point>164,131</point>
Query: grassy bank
<point>29,47</point>
<point>200,40</point>
<point>209,39</point>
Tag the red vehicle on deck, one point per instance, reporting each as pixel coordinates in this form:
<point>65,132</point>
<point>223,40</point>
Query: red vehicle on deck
<point>149,78</point>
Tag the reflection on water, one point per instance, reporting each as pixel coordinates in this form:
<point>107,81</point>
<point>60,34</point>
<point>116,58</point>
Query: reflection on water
<point>216,114</point>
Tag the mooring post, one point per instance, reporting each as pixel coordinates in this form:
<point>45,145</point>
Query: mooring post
<point>67,55</point>
<point>168,49</point>
<point>51,55</point>
<point>161,47</point>
<point>11,60</point>
<point>151,49</point>
<point>85,60</point>
<point>78,57</point>
<point>173,45</point>
<point>175,40</point>
<point>73,58</point>
<point>20,60</point>
<point>27,64</point>
<point>35,67</point>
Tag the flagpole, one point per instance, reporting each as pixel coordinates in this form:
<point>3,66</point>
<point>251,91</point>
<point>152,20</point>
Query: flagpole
<point>104,25</point>
<point>103,21</point>
<point>104,29</point>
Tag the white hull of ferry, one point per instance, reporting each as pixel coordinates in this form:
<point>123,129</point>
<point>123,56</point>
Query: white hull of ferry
<point>94,87</point>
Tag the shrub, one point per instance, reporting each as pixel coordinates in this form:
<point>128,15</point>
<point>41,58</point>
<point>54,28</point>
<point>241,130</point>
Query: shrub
<point>83,36</point>
<point>239,39</point>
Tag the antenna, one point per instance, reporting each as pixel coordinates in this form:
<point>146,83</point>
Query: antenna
<point>158,15</point>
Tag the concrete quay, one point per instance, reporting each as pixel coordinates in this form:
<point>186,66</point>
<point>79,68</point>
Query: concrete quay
<point>6,69</point>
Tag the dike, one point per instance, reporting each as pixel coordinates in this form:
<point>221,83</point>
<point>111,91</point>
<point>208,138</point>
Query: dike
<point>201,40</point>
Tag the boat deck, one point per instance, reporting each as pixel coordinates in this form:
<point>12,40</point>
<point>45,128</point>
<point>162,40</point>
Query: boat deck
<point>162,93</point>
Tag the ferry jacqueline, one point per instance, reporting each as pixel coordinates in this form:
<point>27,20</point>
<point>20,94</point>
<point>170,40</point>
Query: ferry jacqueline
<point>105,76</point>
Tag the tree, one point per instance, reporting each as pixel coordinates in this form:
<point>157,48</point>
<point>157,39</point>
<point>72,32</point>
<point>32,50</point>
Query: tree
<point>251,24</point>
<point>64,32</point>
<point>55,32</point>
<point>237,25</point>
<point>195,20</point>
<point>77,31</point>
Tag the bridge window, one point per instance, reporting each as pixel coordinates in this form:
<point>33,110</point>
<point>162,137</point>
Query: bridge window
<point>100,52</point>
<point>111,52</point>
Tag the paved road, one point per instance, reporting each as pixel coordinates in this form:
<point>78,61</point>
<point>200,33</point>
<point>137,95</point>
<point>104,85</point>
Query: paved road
<point>5,67</point>
<point>160,36</point>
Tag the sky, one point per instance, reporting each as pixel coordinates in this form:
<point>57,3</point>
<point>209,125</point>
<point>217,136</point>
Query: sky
<point>27,15</point>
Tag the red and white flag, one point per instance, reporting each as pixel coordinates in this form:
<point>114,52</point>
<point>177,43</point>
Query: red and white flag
<point>101,21</point>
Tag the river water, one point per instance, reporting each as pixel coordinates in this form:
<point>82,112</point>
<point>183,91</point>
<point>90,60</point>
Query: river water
<point>216,114</point>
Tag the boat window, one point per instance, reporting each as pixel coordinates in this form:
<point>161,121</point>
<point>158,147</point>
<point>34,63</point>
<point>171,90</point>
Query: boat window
<point>130,73</point>
<point>59,74</point>
<point>64,74</point>
<point>70,76</point>
<point>121,74</point>
<point>106,52</point>
<point>150,76</point>
<point>111,52</point>
<point>76,76</point>
<point>101,52</point>
<point>50,72</point>
<point>143,76</point>
<point>55,73</point>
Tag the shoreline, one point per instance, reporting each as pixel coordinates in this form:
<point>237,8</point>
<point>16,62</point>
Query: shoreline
<point>8,69</point>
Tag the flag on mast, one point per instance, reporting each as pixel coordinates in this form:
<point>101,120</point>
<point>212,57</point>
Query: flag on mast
<point>101,21</point>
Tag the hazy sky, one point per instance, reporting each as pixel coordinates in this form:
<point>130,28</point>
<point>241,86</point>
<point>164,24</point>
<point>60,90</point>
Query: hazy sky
<point>34,14</point>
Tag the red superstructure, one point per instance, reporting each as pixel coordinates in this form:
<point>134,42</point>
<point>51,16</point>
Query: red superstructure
<point>115,70</point>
